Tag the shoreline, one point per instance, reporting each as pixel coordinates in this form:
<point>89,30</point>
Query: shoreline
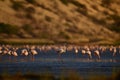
<point>52,42</point>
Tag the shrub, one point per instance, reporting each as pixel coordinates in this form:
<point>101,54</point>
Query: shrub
<point>106,3</point>
<point>27,28</point>
<point>30,10</point>
<point>17,5</point>
<point>31,1</point>
<point>116,25</point>
<point>47,18</point>
<point>65,2</point>
<point>29,16</point>
<point>115,28</point>
<point>65,35</point>
<point>2,0</point>
<point>81,7</point>
<point>82,11</point>
<point>9,29</point>
<point>76,3</point>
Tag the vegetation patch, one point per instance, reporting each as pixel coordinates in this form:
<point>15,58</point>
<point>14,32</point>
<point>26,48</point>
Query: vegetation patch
<point>65,35</point>
<point>17,5</point>
<point>116,25</point>
<point>106,3</point>
<point>27,28</point>
<point>79,5</point>
<point>47,18</point>
<point>97,21</point>
<point>31,1</point>
<point>29,16</point>
<point>9,29</point>
<point>65,1</point>
<point>49,76</point>
<point>30,10</point>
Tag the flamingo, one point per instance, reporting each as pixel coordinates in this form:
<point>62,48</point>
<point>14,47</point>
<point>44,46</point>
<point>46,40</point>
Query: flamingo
<point>33,52</point>
<point>76,50</point>
<point>83,52</point>
<point>7,52</point>
<point>97,53</point>
<point>86,52</point>
<point>89,53</point>
<point>119,49</point>
<point>14,53</point>
<point>114,51</point>
<point>61,51</point>
<point>25,53</point>
<point>0,52</point>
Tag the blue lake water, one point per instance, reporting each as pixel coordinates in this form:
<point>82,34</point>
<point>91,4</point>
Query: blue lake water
<point>51,62</point>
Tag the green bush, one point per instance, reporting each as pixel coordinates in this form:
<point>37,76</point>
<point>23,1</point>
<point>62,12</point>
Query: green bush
<point>9,29</point>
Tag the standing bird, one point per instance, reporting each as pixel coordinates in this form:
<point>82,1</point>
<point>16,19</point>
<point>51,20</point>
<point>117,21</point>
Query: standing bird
<point>33,52</point>
<point>83,52</point>
<point>76,50</point>
<point>119,49</point>
<point>89,53</point>
<point>25,53</point>
<point>114,51</point>
<point>61,51</point>
<point>1,52</point>
<point>14,53</point>
<point>97,53</point>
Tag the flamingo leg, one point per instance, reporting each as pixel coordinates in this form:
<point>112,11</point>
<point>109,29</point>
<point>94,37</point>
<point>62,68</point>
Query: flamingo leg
<point>90,56</point>
<point>32,57</point>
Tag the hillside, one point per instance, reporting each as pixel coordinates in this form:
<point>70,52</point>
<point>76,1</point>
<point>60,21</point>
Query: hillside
<point>60,20</point>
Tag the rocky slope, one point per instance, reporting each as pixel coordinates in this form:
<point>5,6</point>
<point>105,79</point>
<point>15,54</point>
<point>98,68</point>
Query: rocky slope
<point>60,20</point>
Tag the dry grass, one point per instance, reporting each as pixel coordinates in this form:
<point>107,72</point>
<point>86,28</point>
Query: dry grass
<point>76,20</point>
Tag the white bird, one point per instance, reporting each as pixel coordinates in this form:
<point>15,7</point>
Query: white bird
<point>83,52</point>
<point>89,53</point>
<point>24,52</point>
<point>114,51</point>
<point>1,50</point>
<point>9,52</point>
<point>14,53</point>
<point>33,52</point>
<point>97,53</point>
<point>76,50</point>
<point>61,51</point>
